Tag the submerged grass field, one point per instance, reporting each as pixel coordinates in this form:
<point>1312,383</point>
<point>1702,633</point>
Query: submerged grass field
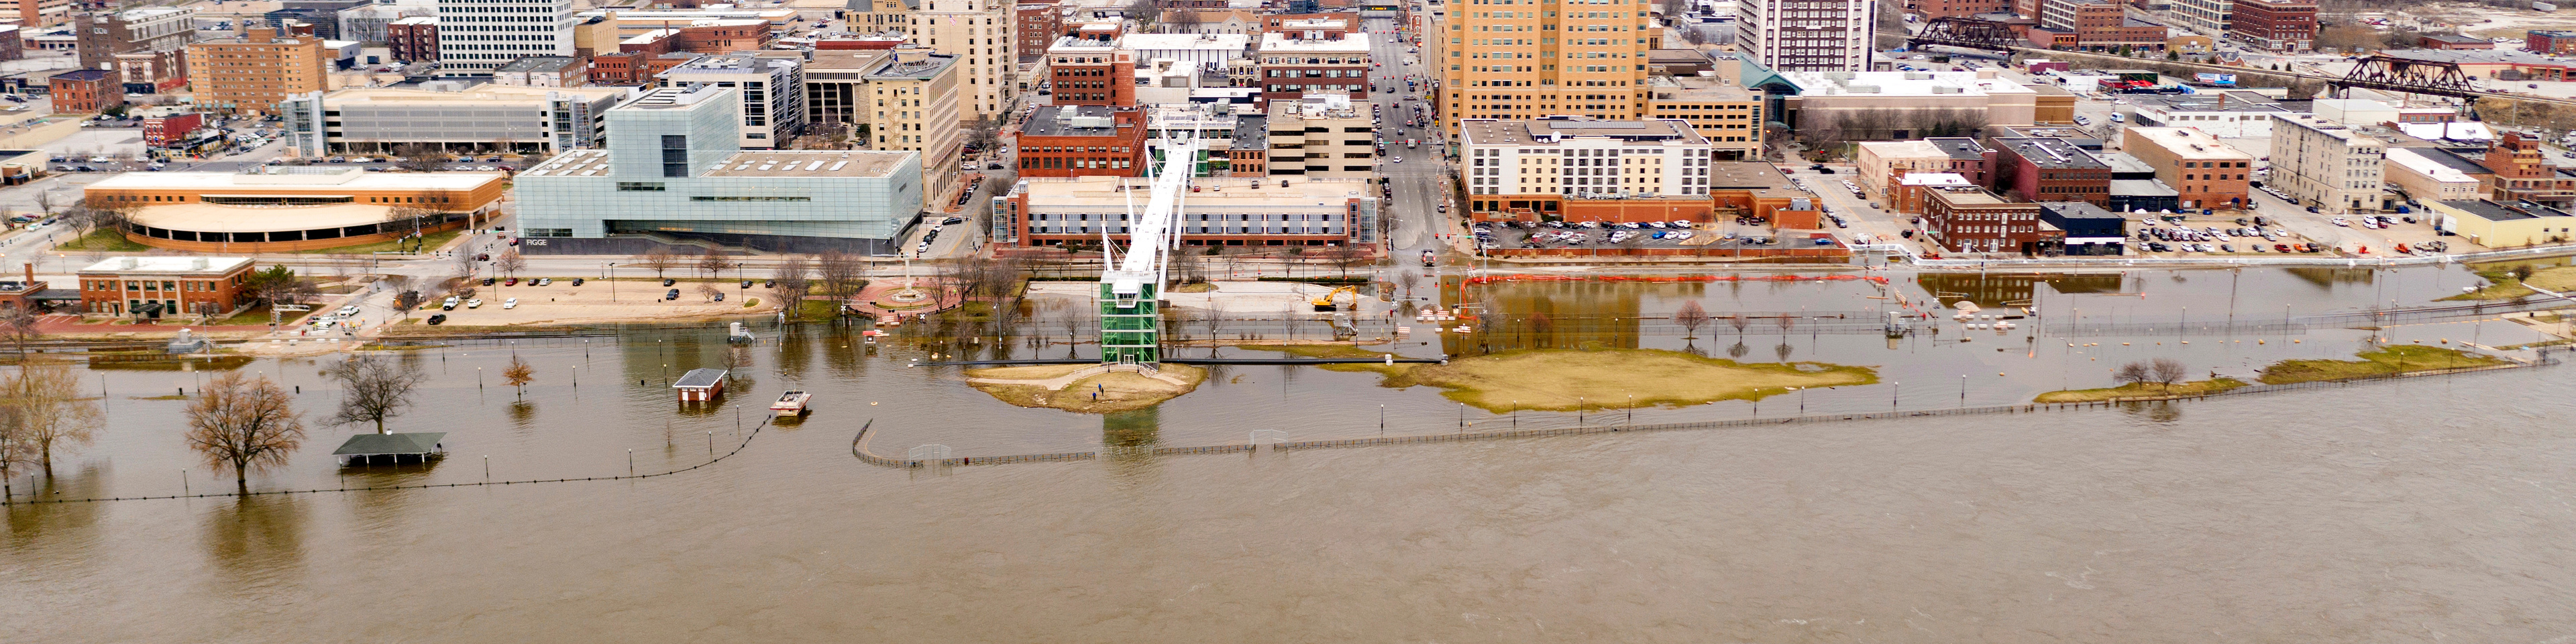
<point>1566,380</point>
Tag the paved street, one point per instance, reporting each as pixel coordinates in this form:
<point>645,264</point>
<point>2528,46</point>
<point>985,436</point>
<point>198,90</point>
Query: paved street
<point>1419,181</point>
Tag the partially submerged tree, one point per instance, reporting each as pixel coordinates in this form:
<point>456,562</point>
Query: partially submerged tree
<point>373,388</point>
<point>242,423</point>
<point>793,282</point>
<point>19,325</point>
<point>1691,317</point>
<point>2132,373</point>
<point>519,375</point>
<point>839,272</point>
<point>42,406</point>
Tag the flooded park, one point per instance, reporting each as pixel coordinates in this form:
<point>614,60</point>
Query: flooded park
<point>2404,509</point>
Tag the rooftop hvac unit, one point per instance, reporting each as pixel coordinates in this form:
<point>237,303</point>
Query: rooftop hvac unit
<point>1945,89</point>
<point>1918,76</point>
<point>1863,89</point>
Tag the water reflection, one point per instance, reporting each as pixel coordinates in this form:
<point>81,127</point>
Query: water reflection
<point>32,525</point>
<point>257,538</point>
<point>1995,290</point>
<point>2160,411</point>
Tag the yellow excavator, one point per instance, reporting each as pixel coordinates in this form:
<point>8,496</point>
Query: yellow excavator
<point>1325,302</point>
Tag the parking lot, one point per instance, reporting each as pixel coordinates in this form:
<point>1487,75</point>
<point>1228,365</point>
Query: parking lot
<point>1606,235</point>
<point>596,300</point>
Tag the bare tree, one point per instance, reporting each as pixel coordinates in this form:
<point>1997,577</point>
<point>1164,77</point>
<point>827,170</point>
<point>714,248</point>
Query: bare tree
<point>1673,8</point>
<point>1691,317</point>
<point>412,218</point>
<point>709,291</point>
<point>714,263</point>
<point>44,408</point>
<point>2132,373</point>
<point>373,388</point>
<point>2168,371</point>
<point>984,133</point>
<point>16,451</point>
<point>419,158</point>
<point>839,272</point>
<point>1347,256</point>
<point>659,259</point>
<point>1739,322</point>
<point>409,301</point>
<point>19,325</point>
<point>47,202</point>
<point>241,423</point>
<point>509,263</point>
<point>519,375</point>
<point>793,283</point>
<point>466,265</point>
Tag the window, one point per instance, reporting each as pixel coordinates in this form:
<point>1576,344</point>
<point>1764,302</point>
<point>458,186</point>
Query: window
<point>639,186</point>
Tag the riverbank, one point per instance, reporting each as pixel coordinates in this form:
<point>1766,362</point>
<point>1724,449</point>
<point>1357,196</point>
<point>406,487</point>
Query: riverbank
<point>1086,388</point>
<point>2383,362</point>
<point>1571,380</point>
<point>2141,391</point>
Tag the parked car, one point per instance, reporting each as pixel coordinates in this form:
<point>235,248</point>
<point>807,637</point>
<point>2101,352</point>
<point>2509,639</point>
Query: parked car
<point>487,281</point>
<point>576,281</point>
<point>449,305</point>
<point>545,281</point>
<point>668,281</point>
<point>437,318</point>
<point>673,295</point>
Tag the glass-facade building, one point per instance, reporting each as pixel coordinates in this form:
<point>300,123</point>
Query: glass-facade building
<point>671,173</point>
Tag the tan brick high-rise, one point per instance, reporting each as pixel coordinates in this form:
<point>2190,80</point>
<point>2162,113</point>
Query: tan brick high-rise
<point>252,73</point>
<point>1524,60</point>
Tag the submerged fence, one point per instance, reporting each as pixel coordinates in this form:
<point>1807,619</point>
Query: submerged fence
<point>859,443</point>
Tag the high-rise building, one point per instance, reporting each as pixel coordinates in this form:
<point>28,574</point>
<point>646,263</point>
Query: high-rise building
<point>913,98</point>
<point>37,13</point>
<point>1527,61</point>
<point>478,36</point>
<point>145,48</point>
<point>1806,35</point>
<point>252,73</point>
<point>978,33</point>
<point>2325,164</point>
<point>773,91</point>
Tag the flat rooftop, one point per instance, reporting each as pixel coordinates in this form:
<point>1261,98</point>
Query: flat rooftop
<point>219,218</point>
<point>1969,196</point>
<point>1918,83</point>
<point>1224,42</point>
<point>2052,154</point>
<point>2142,188</point>
<point>299,182</point>
<point>2492,211</point>
<point>1071,120</point>
<point>812,163</point>
<point>1552,131</point>
<point>2213,102</point>
<point>2420,164</point>
<point>1279,43</point>
<point>2188,143</point>
<point>1697,88</point>
<point>167,265</point>
<point>1101,194</point>
<point>1915,149</point>
<point>1959,148</point>
<point>485,93</point>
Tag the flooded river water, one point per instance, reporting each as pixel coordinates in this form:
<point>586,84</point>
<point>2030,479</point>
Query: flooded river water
<point>2415,510</point>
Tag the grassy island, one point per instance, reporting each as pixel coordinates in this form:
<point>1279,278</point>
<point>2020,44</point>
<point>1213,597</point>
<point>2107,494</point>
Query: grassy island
<point>1565,379</point>
<point>1083,388</point>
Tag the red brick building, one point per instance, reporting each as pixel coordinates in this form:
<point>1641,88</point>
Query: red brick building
<point>164,131</point>
<point>1958,8</point>
<point>413,39</point>
<point>1971,220</point>
<point>1036,26</point>
<point>85,90</point>
<point>1084,72</point>
<point>621,68</point>
<point>1290,68</point>
<point>2043,169</point>
<point>158,286</point>
<point>2279,25</point>
<point>2453,41</point>
<point>2558,43</point>
<point>1083,141</point>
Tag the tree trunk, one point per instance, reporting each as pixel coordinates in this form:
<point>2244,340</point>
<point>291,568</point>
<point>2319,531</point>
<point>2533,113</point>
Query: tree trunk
<point>241,480</point>
<point>380,425</point>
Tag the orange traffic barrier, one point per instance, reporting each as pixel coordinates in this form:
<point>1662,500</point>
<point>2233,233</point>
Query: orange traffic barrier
<point>1487,279</point>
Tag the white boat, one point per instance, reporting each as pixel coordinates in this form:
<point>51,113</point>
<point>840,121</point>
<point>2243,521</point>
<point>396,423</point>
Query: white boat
<point>791,403</point>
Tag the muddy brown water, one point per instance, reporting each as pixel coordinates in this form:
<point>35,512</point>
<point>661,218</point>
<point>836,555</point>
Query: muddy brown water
<point>2419,510</point>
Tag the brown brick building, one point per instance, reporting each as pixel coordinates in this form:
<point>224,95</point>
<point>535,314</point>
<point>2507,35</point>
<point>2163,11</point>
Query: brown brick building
<point>2279,25</point>
<point>1083,141</point>
<point>2559,43</point>
<point>85,90</point>
<point>1086,72</point>
<point>252,73</point>
<point>1036,26</point>
<point>1971,220</point>
<point>2046,169</point>
<point>162,286</point>
<point>413,39</point>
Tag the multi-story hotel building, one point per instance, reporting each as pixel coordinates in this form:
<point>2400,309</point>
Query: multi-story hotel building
<point>1526,61</point>
<point>1806,35</point>
<point>250,74</point>
<point>1579,169</point>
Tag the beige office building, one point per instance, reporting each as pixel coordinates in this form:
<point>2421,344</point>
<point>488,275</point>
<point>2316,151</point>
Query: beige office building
<point>1525,61</point>
<point>915,100</point>
<point>1325,136</point>
<point>2325,164</point>
<point>978,33</point>
<point>252,73</point>
<point>1729,115</point>
<point>1884,163</point>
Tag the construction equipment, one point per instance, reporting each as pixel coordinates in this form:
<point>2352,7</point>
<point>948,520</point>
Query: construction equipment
<point>1325,302</point>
